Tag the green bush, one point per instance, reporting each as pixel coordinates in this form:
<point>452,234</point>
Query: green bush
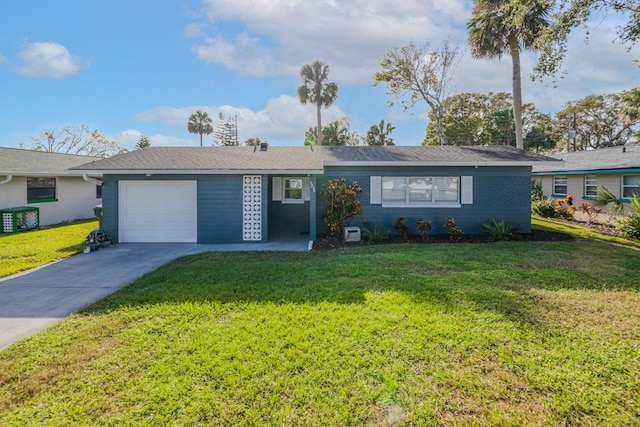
<point>630,226</point>
<point>375,232</point>
<point>544,208</point>
<point>536,191</point>
<point>342,204</point>
<point>501,231</point>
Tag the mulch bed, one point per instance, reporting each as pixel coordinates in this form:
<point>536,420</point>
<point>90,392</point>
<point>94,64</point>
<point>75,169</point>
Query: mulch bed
<point>327,243</point>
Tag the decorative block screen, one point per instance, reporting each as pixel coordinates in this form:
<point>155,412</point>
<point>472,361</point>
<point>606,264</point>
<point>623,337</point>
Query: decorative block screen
<point>252,207</point>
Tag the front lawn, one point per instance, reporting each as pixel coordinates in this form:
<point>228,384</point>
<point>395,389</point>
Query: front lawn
<point>515,333</point>
<point>30,249</point>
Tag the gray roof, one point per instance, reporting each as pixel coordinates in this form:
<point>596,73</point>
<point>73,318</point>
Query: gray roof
<point>603,159</point>
<point>14,161</point>
<point>303,159</point>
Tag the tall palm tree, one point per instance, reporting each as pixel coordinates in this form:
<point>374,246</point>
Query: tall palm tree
<point>501,26</point>
<point>200,123</point>
<point>316,90</point>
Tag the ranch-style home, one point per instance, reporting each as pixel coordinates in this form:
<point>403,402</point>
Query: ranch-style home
<point>583,172</point>
<point>36,179</point>
<point>265,193</point>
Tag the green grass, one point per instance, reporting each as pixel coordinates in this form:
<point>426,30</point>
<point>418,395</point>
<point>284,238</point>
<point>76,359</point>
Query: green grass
<point>512,333</point>
<point>30,249</point>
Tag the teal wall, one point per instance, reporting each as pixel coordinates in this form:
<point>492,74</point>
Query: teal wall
<point>219,205</point>
<point>501,193</point>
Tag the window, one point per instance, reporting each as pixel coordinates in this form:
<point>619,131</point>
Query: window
<point>41,190</point>
<point>292,190</point>
<point>591,185</point>
<point>419,190</point>
<point>560,185</point>
<point>98,191</point>
<point>631,186</point>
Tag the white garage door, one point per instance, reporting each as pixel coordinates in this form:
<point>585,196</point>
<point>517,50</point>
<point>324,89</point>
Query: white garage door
<point>158,211</point>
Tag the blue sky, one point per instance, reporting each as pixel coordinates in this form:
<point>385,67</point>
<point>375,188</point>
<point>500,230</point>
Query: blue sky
<point>127,67</point>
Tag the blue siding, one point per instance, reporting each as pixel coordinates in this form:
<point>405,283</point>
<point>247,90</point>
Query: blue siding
<point>219,205</point>
<point>501,193</point>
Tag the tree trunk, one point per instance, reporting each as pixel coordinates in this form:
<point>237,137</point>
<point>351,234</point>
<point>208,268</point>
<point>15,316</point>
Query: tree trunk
<point>319,134</point>
<point>443,137</point>
<point>517,89</point>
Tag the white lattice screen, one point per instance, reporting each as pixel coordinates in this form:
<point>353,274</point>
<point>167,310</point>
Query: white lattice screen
<point>7,223</point>
<point>252,207</point>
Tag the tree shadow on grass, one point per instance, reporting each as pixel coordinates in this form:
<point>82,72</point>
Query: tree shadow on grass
<point>449,277</point>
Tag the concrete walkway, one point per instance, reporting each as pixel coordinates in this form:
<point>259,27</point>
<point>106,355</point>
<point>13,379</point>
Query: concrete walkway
<point>36,299</point>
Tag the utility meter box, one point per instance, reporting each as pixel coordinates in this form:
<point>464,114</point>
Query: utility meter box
<point>352,234</point>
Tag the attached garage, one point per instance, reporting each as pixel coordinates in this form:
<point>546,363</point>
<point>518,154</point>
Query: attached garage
<point>157,211</point>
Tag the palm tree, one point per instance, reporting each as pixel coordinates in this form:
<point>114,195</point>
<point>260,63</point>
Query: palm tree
<point>500,26</point>
<point>380,134</point>
<point>200,123</point>
<point>316,90</point>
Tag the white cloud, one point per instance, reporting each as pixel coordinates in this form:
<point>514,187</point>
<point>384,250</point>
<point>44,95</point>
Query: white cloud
<point>283,119</point>
<point>48,60</point>
<point>278,37</point>
<point>2,58</point>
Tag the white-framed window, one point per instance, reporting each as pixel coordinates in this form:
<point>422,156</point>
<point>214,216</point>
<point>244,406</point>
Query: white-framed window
<point>630,186</point>
<point>292,188</point>
<point>560,185</point>
<point>420,190</point>
<point>591,185</point>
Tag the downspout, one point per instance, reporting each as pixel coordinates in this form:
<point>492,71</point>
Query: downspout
<point>91,180</point>
<point>6,180</point>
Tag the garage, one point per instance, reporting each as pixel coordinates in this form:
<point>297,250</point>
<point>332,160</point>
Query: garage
<point>157,211</point>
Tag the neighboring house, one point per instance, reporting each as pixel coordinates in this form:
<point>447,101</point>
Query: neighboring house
<point>43,180</point>
<point>583,172</point>
<point>259,194</point>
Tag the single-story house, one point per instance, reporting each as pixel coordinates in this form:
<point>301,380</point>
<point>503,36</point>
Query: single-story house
<point>43,180</point>
<point>583,172</point>
<point>259,194</point>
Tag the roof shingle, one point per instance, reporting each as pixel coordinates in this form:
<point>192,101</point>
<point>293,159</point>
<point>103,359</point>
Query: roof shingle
<point>302,158</point>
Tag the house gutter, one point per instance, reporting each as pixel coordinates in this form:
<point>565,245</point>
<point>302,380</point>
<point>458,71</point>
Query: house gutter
<point>87,178</point>
<point>6,180</point>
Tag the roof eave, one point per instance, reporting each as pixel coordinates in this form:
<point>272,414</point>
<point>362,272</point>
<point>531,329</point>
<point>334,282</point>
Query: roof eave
<point>484,163</point>
<point>204,171</point>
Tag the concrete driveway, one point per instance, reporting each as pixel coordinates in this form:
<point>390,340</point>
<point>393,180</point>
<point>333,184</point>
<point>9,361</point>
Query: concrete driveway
<point>36,299</point>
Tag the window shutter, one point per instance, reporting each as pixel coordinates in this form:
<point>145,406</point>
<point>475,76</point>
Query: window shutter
<point>306,193</point>
<point>375,190</point>
<point>276,188</point>
<point>466,194</point>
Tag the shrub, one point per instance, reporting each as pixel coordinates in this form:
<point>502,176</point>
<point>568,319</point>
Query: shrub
<point>544,208</point>
<point>630,226</point>
<point>376,232</point>
<point>402,228</point>
<point>342,204</point>
<point>564,208</point>
<point>455,232</point>
<point>501,231</point>
<point>590,210</point>
<point>423,226</point>
<point>536,191</point>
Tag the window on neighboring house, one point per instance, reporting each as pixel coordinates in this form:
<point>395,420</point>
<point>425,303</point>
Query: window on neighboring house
<point>591,185</point>
<point>98,191</point>
<point>292,190</point>
<point>41,190</point>
<point>560,185</point>
<point>419,190</point>
<point>630,186</point>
